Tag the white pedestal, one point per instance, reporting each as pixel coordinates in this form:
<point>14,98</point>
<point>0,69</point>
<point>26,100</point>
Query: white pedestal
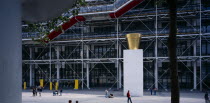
<point>133,72</point>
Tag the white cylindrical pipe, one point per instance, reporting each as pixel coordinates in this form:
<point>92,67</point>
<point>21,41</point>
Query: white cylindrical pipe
<point>11,52</point>
<point>31,70</point>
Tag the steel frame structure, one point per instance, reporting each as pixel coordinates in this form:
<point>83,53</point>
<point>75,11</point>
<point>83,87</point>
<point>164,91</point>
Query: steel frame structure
<point>193,38</point>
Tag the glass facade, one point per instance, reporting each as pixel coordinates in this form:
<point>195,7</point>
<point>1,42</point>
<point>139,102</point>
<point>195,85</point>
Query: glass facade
<point>97,46</point>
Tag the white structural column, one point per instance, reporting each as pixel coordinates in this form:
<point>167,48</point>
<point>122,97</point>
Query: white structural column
<point>200,61</point>
<point>117,66</point>
<point>133,72</point>
<point>31,69</point>
<point>194,76</point>
<point>120,75</point>
<point>117,47</point>
<point>194,68</point>
<point>58,63</point>
<point>50,66</point>
<point>87,66</point>
<point>156,54</point>
<point>11,52</point>
<point>156,73</point>
<point>120,67</point>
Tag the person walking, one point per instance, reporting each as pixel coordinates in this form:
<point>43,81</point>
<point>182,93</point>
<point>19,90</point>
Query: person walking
<point>151,91</point>
<point>129,97</point>
<point>61,90</point>
<point>106,93</point>
<point>40,90</point>
<point>206,97</point>
<point>34,92</point>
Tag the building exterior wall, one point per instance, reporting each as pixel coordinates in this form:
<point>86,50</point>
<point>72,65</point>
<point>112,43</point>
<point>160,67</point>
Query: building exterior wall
<point>104,56</point>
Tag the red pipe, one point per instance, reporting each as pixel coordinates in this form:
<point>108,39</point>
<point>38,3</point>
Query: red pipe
<point>125,9</point>
<point>76,19</point>
<point>65,26</point>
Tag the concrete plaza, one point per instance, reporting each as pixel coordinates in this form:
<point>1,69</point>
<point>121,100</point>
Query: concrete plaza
<point>97,96</point>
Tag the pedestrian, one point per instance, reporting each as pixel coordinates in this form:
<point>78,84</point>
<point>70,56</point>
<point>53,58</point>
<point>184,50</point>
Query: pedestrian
<point>151,91</point>
<point>129,96</point>
<point>106,93</point>
<point>155,90</point>
<point>34,91</point>
<point>206,97</point>
<point>40,90</point>
<point>61,92</point>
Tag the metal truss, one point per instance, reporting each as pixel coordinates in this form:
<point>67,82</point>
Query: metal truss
<point>157,37</point>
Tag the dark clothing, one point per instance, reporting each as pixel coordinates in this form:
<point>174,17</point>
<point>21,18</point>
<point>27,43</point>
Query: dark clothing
<point>40,91</point>
<point>129,99</point>
<point>55,93</point>
<point>61,92</point>
<point>155,90</point>
<point>151,91</point>
<point>34,92</point>
<point>206,96</point>
<point>111,96</point>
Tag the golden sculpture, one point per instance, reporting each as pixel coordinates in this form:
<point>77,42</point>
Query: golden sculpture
<point>133,40</point>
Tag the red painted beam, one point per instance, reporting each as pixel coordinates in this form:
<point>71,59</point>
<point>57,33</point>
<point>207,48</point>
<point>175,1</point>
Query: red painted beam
<point>76,19</point>
<point>65,26</point>
<point>125,9</point>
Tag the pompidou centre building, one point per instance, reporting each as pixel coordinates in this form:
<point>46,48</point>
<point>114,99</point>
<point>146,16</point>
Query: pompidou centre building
<point>89,50</point>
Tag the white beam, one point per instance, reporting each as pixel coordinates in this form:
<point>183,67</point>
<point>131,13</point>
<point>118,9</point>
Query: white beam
<point>194,68</point>
<point>201,82</point>
<point>87,66</point>
<point>58,64</point>
<point>87,74</point>
<point>120,66</point>
<point>31,70</point>
<point>194,75</point>
<point>156,51</point>
<point>120,75</point>
<point>156,73</point>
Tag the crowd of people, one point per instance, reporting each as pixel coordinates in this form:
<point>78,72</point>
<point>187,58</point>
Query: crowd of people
<point>36,90</point>
<point>153,90</point>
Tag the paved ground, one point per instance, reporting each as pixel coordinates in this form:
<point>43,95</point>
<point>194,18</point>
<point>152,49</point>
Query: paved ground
<point>97,96</point>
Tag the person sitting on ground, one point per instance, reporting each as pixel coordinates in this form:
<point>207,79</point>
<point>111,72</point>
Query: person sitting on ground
<point>111,96</point>
<point>55,93</point>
